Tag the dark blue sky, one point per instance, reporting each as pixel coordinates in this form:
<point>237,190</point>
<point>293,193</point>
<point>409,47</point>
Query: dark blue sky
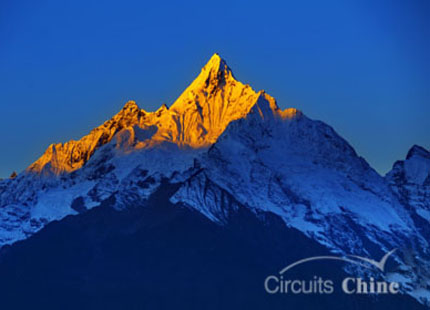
<point>361,66</point>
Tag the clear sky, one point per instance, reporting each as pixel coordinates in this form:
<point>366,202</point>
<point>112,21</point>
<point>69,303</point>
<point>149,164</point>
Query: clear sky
<point>361,66</point>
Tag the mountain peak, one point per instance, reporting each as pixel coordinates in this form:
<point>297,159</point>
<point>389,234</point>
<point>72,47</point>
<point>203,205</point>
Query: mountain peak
<point>417,150</point>
<point>131,104</point>
<point>196,119</point>
<point>214,75</point>
<point>213,78</point>
<point>414,170</point>
<point>216,64</point>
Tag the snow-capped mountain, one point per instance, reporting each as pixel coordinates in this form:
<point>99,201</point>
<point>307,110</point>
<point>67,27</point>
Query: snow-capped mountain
<point>301,170</point>
<point>224,146</point>
<point>77,175</point>
<point>195,119</point>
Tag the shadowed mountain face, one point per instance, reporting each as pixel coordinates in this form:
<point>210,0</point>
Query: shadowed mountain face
<point>221,181</point>
<point>410,180</point>
<point>161,256</point>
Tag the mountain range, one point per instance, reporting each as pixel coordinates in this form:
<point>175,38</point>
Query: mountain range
<point>222,158</point>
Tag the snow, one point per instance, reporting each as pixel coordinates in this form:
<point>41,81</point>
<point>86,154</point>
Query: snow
<point>229,146</point>
<point>56,203</point>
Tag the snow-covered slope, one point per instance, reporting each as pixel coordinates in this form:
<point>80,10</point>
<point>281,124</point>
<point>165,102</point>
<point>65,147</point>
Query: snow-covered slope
<point>223,145</point>
<point>297,167</point>
<point>301,170</point>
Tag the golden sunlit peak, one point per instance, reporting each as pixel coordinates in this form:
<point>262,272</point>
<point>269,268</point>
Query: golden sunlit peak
<point>196,119</point>
<point>216,64</point>
<point>131,104</point>
<point>216,58</point>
